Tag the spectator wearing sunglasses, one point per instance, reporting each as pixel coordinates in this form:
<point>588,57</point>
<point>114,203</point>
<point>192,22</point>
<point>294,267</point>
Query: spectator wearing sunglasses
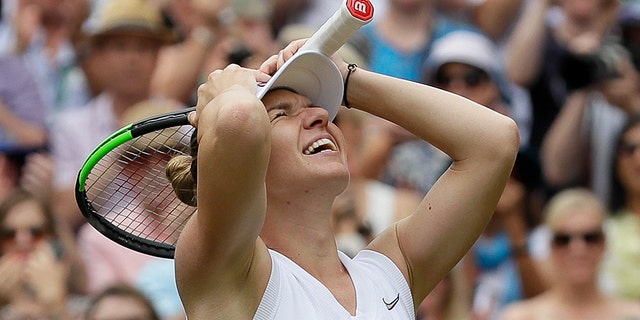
<point>575,218</point>
<point>621,275</point>
<point>467,63</point>
<point>397,158</point>
<point>39,272</point>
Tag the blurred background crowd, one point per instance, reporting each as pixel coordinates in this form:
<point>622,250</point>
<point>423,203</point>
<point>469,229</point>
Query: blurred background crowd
<point>564,242</point>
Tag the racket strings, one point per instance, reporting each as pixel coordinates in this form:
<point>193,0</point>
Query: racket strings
<point>128,186</point>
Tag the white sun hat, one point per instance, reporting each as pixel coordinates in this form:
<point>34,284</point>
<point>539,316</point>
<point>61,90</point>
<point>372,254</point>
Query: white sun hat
<point>311,74</point>
<point>464,46</point>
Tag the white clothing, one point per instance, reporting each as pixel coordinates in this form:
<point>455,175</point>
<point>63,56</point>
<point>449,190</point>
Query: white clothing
<point>382,292</point>
<point>604,124</point>
<point>381,206</point>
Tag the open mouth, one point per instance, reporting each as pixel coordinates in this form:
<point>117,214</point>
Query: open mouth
<point>320,145</point>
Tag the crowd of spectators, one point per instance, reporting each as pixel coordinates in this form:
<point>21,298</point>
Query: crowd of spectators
<point>567,71</point>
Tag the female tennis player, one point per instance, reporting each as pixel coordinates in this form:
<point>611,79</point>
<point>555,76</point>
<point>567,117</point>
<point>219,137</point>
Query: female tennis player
<point>264,175</point>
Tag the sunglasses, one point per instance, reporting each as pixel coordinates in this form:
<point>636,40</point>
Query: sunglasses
<point>590,238</point>
<point>9,235</point>
<point>629,149</point>
<point>471,78</point>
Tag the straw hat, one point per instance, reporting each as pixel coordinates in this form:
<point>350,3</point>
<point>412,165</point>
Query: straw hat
<point>130,17</point>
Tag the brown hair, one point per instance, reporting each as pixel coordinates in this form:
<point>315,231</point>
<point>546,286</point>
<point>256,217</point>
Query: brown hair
<point>182,172</point>
<point>19,196</point>
<point>126,291</point>
<point>63,239</point>
<point>618,195</point>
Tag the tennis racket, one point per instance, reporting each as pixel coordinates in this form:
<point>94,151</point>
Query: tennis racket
<point>122,189</point>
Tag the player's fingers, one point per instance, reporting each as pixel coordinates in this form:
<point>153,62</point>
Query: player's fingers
<point>192,117</point>
<point>288,52</point>
<point>269,66</point>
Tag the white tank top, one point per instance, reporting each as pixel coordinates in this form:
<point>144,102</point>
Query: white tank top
<point>381,291</point>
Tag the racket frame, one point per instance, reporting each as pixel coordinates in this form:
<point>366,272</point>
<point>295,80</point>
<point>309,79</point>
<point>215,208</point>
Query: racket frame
<point>118,138</point>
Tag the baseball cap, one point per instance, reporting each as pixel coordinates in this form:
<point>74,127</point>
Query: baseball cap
<point>468,47</point>
<point>311,74</point>
<point>137,17</point>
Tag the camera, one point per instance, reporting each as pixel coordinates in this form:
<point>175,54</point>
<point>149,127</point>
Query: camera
<point>581,70</point>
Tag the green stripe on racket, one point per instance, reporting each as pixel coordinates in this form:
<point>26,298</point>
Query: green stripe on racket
<point>122,189</point>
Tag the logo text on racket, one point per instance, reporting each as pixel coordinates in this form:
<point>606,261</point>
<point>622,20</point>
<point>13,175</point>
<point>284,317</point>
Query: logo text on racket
<point>361,9</point>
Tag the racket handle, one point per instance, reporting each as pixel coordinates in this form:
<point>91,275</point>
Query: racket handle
<point>352,15</point>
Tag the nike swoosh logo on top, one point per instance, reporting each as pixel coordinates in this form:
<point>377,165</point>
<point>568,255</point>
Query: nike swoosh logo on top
<point>392,304</point>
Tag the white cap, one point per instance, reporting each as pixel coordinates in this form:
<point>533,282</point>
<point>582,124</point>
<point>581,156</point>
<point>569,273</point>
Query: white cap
<point>313,75</point>
<point>466,47</point>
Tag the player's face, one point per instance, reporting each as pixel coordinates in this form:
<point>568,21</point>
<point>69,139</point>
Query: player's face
<point>305,144</point>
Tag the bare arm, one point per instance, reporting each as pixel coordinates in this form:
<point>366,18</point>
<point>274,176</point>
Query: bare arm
<point>180,65</point>
<point>563,147</point>
<point>565,144</point>
<point>234,145</point>
<point>495,17</point>
<point>25,133</point>
<point>482,144</point>
<point>525,45</point>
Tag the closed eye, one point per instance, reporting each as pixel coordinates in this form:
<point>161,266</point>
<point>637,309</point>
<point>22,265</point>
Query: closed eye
<point>281,109</point>
<point>275,114</point>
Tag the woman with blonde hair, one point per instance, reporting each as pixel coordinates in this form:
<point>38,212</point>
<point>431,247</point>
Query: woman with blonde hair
<point>264,174</point>
<point>576,219</point>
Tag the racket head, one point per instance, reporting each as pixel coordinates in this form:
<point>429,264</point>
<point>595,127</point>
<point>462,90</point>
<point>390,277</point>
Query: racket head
<point>122,189</point>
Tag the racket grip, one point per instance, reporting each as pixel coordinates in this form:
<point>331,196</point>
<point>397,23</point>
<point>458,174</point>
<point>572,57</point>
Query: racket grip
<point>334,33</point>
